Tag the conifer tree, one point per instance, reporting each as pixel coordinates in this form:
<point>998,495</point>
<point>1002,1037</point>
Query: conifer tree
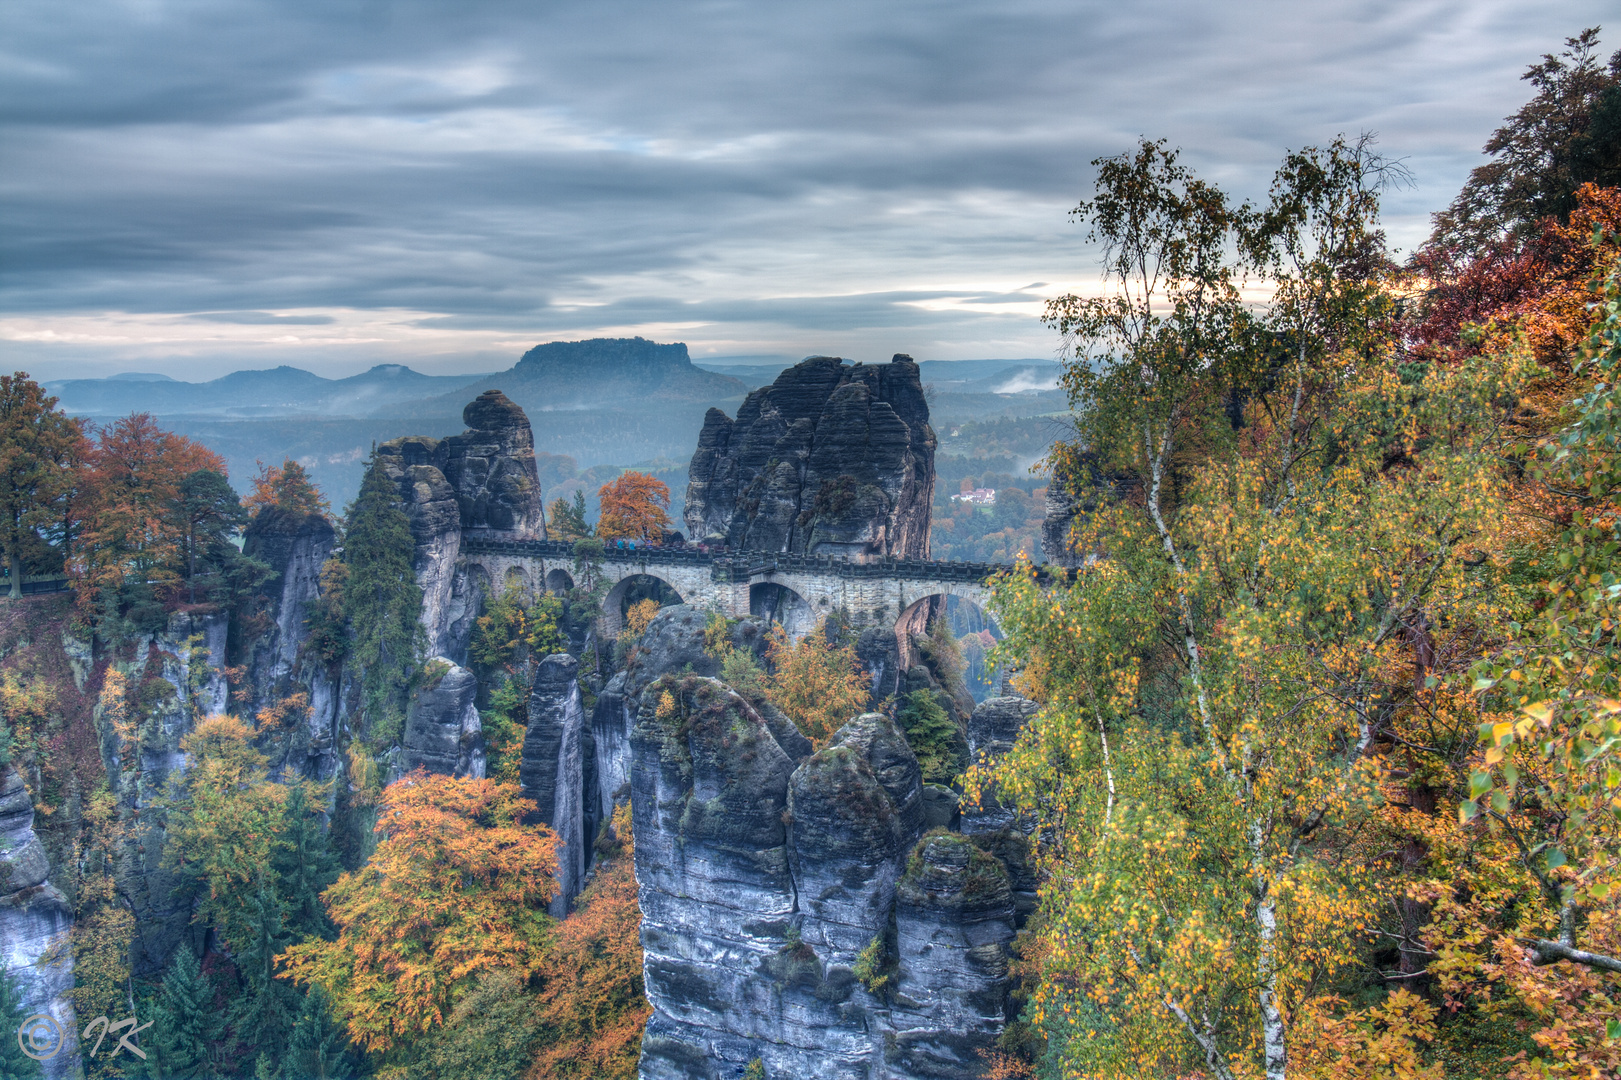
<point>183,1023</point>
<point>14,1064</point>
<point>941,749</point>
<point>305,865</point>
<point>319,1046</point>
<point>381,600</point>
<point>263,1014</point>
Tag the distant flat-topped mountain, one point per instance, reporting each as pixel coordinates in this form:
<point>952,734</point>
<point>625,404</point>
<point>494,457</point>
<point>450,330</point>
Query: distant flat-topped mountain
<point>616,373</point>
<point>281,391</point>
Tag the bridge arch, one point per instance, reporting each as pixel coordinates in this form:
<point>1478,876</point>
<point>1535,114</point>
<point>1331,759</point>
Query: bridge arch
<point>778,603</point>
<point>971,623</point>
<point>517,578</point>
<point>630,589</point>
<point>559,581</point>
<point>479,586</point>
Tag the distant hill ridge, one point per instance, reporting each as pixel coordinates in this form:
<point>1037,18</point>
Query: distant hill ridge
<point>278,391</point>
<point>624,373</point>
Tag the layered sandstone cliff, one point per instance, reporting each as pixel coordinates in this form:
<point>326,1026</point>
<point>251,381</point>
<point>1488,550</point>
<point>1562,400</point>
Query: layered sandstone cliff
<point>829,459</point>
<point>481,482</point>
<point>34,923</point>
<point>767,874</point>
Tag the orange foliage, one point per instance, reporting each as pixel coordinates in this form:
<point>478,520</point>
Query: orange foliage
<point>592,1010</point>
<point>286,488</point>
<point>819,685</point>
<point>458,886</point>
<point>1555,318</point>
<point>126,523</point>
<point>634,507</point>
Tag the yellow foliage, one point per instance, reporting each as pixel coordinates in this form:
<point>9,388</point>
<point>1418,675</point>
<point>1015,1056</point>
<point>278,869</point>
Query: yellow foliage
<point>640,615</point>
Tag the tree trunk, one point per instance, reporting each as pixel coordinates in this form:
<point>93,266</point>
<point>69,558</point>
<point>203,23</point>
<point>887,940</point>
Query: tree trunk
<point>16,574</point>
<point>1275,1045</point>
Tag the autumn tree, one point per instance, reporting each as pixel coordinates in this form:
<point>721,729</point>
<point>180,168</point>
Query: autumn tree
<point>39,447</point>
<point>128,527</point>
<point>1543,805</point>
<point>591,1007</point>
<point>457,886</point>
<point>1203,765</point>
<point>287,488</point>
<point>1569,133</point>
<point>510,632</point>
<point>817,683</point>
<point>634,507</point>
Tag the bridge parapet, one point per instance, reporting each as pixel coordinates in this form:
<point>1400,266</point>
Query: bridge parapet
<point>738,565</point>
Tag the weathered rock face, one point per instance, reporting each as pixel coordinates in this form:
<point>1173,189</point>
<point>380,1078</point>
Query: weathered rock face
<point>709,786</point>
<point>829,459</point>
<point>34,923</point>
<point>161,919</point>
<point>482,481</point>
<point>765,871</point>
<point>442,730</point>
<point>295,546</point>
<point>992,730</point>
<point>1074,492</point>
<point>953,922</point>
<point>491,467</point>
<point>553,769</point>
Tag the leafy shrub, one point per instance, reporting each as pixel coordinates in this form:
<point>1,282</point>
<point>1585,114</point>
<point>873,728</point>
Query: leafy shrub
<point>941,749</point>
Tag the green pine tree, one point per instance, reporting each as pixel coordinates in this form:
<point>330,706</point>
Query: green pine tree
<point>184,1023</point>
<point>319,1046</point>
<point>262,1014</point>
<point>305,866</point>
<point>381,601</point>
<point>938,742</point>
<point>14,1064</point>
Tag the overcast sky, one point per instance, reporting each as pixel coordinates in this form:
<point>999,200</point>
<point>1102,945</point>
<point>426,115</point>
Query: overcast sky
<point>195,186</point>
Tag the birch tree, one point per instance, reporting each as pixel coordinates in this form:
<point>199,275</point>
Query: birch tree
<point>1217,686</point>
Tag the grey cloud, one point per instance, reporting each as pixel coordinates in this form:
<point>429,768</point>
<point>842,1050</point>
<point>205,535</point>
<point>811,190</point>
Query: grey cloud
<point>500,161</point>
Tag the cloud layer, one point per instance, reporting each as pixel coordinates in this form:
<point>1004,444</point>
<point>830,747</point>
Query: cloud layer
<point>191,185</point>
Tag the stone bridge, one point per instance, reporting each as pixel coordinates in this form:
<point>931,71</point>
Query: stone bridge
<point>796,589</point>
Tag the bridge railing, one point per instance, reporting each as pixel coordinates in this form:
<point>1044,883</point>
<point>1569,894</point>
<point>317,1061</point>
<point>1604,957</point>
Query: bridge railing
<point>733,564</point>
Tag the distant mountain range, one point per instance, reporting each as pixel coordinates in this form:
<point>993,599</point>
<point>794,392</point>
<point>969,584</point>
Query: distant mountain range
<point>250,395</point>
<point>619,401</point>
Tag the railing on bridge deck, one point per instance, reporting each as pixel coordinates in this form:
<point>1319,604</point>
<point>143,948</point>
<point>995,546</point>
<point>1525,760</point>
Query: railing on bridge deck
<point>738,565</point>
<point>34,584</point>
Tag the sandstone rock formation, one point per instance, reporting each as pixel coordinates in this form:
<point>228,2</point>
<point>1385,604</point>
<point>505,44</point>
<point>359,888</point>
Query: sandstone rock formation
<point>1074,491</point>
<point>829,459</point>
<point>553,770</point>
<point>765,871</point>
<point>953,923</point>
<point>482,481</point>
<point>993,728</point>
<point>162,918</point>
<point>442,730</point>
<point>34,923</point>
<point>294,546</point>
